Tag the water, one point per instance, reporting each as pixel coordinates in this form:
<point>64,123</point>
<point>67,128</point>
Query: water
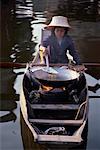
<point>14,134</point>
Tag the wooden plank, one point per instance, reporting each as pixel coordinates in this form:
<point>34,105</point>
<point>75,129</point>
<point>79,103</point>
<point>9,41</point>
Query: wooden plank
<point>55,106</point>
<point>59,138</point>
<point>23,65</point>
<point>12,64</point>
<point>58,122</point>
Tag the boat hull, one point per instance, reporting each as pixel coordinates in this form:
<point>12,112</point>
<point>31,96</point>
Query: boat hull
<point>55,122</point>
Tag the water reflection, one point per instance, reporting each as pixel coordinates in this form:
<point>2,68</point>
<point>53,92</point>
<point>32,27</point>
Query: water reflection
<point>23,48</point>
<point>94,125</point>
<point>8,117</point>
<point>10,137</point>
<point>7,95</point>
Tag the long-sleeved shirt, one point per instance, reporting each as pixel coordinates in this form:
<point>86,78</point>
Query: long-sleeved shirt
<point>58,49</point>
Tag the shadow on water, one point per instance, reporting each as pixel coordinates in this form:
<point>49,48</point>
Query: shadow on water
<point>8,96</point>
<point>20,30</point>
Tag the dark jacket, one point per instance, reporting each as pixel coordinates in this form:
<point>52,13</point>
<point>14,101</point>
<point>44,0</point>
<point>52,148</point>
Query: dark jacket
<point>58,52</point>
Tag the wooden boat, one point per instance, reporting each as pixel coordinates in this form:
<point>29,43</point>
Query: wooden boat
<point>54,106</point>
<point>54,102</point>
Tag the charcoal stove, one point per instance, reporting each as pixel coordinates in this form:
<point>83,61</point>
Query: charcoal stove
<point>55,86</point>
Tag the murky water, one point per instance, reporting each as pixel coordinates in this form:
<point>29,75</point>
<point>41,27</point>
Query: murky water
<point>14,134</point>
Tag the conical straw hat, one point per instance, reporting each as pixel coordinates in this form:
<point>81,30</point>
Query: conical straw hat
<point>58,21</point>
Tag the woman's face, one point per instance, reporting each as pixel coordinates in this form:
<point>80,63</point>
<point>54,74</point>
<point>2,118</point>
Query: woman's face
<point>59,32</point>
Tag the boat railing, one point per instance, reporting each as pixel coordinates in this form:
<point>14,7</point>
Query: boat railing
<point>79,110</point>
<point>57,122</point>
<point>75,122</point>
<point>55,106</point>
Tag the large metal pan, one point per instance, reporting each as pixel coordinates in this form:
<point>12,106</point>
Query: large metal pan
<point>62,78</point>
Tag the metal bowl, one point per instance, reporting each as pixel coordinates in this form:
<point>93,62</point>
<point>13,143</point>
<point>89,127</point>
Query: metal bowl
<point>62,78</point>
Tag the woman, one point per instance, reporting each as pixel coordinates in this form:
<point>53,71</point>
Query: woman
<point>60,42</point>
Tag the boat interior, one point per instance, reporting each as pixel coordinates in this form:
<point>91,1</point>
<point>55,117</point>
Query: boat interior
<point>56,110</point>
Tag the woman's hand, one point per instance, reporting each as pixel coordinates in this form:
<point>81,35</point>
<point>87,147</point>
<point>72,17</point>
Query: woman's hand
<point>79,68</point>
<point>43,50</point>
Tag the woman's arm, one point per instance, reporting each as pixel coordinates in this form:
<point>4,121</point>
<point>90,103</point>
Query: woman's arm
<point>74,53</point>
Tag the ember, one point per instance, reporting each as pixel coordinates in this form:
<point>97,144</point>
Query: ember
<point>48,88</point>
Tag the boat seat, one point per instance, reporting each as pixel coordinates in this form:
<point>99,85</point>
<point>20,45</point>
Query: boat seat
<point>55,106</point>
<point>59,139</point>
<point>57,122</point>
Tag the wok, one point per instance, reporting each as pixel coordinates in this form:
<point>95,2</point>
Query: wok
<point>61,79</point>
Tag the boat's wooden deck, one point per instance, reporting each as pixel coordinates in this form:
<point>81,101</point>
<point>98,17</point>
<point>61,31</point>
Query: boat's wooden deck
<point>59,139</point>
<point>57,122</point>
<point>55,106</point>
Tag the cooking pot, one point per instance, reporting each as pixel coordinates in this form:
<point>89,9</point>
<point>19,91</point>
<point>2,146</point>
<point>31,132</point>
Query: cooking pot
<point>63,77</point>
